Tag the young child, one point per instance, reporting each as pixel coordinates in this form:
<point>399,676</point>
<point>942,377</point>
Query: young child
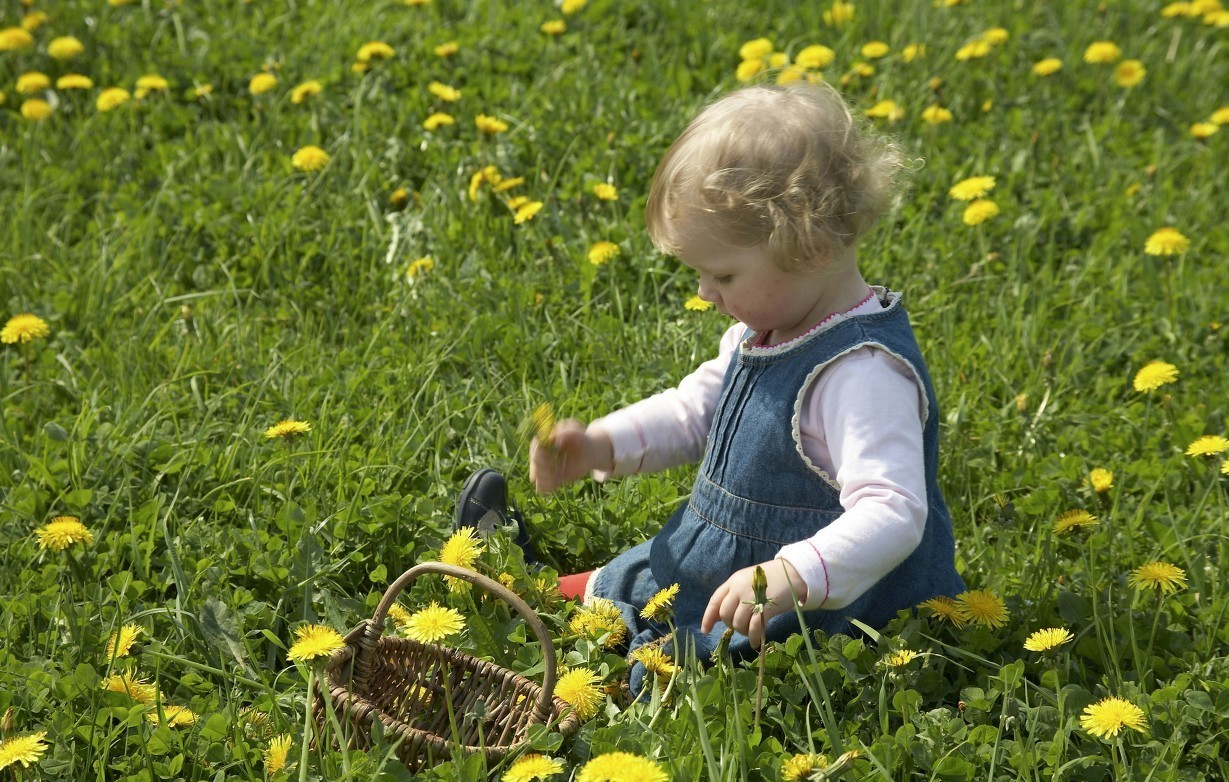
<point>817,421</point>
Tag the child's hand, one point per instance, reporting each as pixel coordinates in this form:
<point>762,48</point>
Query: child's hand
<point>572,453</point>
<point>733,602</point>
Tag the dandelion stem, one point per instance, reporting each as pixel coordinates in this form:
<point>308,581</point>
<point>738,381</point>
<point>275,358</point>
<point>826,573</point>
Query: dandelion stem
<point>307,724</point>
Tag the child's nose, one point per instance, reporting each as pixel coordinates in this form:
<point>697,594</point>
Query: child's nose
<point>707,292</point>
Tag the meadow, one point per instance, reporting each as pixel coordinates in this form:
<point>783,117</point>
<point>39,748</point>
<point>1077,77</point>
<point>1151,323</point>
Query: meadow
<point>407,225</point>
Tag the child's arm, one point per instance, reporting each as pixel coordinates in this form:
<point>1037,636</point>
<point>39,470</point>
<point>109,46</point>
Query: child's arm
<point>733,601</point>
<point>574,451</point>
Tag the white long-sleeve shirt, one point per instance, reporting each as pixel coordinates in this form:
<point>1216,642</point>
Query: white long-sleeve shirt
<point>860,425</point>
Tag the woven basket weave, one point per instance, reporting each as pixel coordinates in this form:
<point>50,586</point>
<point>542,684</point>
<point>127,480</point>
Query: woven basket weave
<point>408,685</point>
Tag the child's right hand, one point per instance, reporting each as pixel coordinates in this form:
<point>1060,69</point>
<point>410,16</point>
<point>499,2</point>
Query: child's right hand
<point>573,452</point>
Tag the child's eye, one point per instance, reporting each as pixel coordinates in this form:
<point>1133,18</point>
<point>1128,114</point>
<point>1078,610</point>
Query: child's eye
<point>723,279</point>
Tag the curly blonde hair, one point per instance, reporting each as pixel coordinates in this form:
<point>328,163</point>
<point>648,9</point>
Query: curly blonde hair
<point>786,167</point>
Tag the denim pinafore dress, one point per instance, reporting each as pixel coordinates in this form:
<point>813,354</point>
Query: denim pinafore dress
<point>756,492</point>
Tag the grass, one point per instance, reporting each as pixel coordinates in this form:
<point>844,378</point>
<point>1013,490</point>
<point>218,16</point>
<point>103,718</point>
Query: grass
<point>198,289</point>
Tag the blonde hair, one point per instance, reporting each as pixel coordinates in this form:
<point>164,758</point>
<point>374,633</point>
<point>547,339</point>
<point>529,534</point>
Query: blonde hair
<point>786,167</point>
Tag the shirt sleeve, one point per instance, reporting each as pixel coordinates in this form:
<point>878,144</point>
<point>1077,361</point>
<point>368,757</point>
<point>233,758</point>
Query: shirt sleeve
<point>868,408</point>
<point>669,428</point>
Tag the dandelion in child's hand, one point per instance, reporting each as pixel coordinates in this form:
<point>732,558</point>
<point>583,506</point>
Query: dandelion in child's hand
<point>24,328</point>
<point>579,689</point>
<point>1161,576</point>
<point>434,623</point>
<point>1072,520</point>
<point>276,752</point>
<point>22,749</point>
<point>532,767</point>
<point>310,158</point>
<point>1208,445</point>
<point>799,768</point>
<point>1154,375</point>
<point>172,716</point>
<point>983,607</point>
<point>1166,241</point>
<point>62,532</point>
<point>946,609</point>
<point>1048,640</point>
<point>129,684</point>
<point>600,617</point>
<point>971,188</point>
<point>661,604</point>
<point>1101,479</point>
<point>314,641</point>
<point>621,767</point>
<point>1108,717</point>
<point>462,549</point>
<point>287,429</point>
<point>121,641</point>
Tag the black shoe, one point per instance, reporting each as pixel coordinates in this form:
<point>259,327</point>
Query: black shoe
<point>483,505</point>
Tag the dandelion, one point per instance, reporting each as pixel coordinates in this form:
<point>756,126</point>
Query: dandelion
<point>399,198</point>
<point>1202,130</point>
<point>419,268</point>
<point>447,49</point>
<point>65,47</point>
<point>1101,479</point>
<point>74,81</point>
<point>696,304</point>
<point>490,125</point>
<point>913,51</point>
<point>1102,52</point>
<point>444,92</point>
<point>980,211</point>
<point>306,91</point>
<point>1048,640</point>
<point>399,615</point>
<point>1162,576</point>
<point>605,192</point>
<point>600,618</point>
<point>1220,116</point>
<point>983,607</point>
<point>1129,73</point>
<point>875,49</point>
<point>202,91</point>
<point>603,252</point>
<point>1109,716</point>
<point>172,716</point>
<point>127,683</point>
<point>553,27</point>
<point>121,641</point>
<point>579,688</point>
<point>151,83</point>
<point>374,50</point>
<point>542,423</point>
<point>655,661</point>
<point>62,532</point>
<point>36,109</point>
<point>799,768</point>
<point>936,115</point>
<point>621,767</point>
<point>14,38</point>
<point>972,187</point>
<point>1166,241</point>
<point>532,767</point>
<point>1073,520</point>
<point>462,549</point>
<point>437,120</point>
<point>1208,445</point>
<point>886,109</point>
<point>839,15</point>
<point>434,623</point>
<point>32,82</point>
<point>313,641</point>
<point>1154,375</point>
<point>1176,9</point>
<point>527,211</point>
<point>755,49</point>
<point>262,83</point>
<point>276,752</point>
<point>24,328</point>
<point>287,429</point>
<point>815,57</point>
<point>973,50</point>
<point>995,36</point>
<point>901,659</point>
<point>748,70</point>
<point>947,609</point>
<point>508,184</point>
<point>661,604</point>
<point>1047,67</point>
<point>569,7</point>
<point>22,749</point>
<point>310,158</point>
<point>417,2</point>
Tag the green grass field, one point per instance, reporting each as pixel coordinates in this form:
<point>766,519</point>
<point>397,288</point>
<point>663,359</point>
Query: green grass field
<point>198,288</point>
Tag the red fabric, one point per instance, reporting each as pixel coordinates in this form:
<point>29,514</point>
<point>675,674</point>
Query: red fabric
<point>574,585</point>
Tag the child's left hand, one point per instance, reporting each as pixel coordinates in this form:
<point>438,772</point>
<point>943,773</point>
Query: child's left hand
<point>733,602</point>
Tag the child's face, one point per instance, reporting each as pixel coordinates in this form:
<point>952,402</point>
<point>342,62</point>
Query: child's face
<point>744,283</point>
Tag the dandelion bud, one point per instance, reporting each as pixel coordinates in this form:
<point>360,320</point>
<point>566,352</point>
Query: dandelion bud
<point>7,722</point>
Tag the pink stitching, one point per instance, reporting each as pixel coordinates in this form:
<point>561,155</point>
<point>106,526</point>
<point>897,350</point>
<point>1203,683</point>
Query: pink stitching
<point>763,339</point>
<point>827,580</point>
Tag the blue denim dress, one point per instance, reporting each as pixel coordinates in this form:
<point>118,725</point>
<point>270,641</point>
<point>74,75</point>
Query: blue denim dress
<point>755,493</point>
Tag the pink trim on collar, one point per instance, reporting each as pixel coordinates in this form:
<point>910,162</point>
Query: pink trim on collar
<point>760,339</point>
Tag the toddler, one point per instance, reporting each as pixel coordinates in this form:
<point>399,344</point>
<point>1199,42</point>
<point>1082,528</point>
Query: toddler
<point>816,422</point>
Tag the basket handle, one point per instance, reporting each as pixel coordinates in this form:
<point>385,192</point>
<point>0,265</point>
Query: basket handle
<point>371,631</point>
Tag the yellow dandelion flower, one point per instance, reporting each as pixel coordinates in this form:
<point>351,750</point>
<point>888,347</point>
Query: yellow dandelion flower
<point>62,532</point>
<point>462,549</point>
<point>532,767</point>
<point>417,2</point>
<point>913,51</point>
<point>490,125</point>
<point>839,14</point>
<point>437,120</point>
<point>399,198</point>
<point>262,83</point>
<point>1109,716</point>
<point>603,252</point>
<point>314,641</point>
<point>374,50</point>
<point>1166,241</point>
<point>600,618</point>
<point>755,49</point>
<point>1202,130</point>
<point>127,683</point>
<point>34,19</point>
<point>983,607</point>
<point>1162,576</point>
<point>508,184</point>
<point>886,109</point>
<point>1073,520</point>
<point>65,47</point>
<point>980,211</point>
<point>14,38</point>
<point>25,750</point>
<point>569,7</point>
<point>815,57</point>
<point>399,615</point>
<point>971,188</point>
<point>151,82</point>
<point>202,91</point>
<point>553,27</point>
<point>36,109</point>
<point>542,423</point>
<point>1102,52</point>
<point>24,328</point>
<point>1224,467</point>
<point>622,767</point>
<point>696,304</point>
<point>172,716</point>
<point>995,36</point>
<point>799,768</point>
<point>32,82</point>
<point>526,212</point>
<point>1129,73</point>
<point>1154,375</point>
<point>310,158</point>
<point>1208,445</point>
<point>1101,479</point>
<point>973,50</point>
<point>516,202</point>
<point>1048,640</point>
<point>654,660</point>
<point>748,69</point>
<point>306,91</point>
<point>121,641</point>
<point>605,192</point>
<point>444,92</point>
<point>1176,9</point>
<point>1047,67</point>
<point>1220,116</point>
<point>434,623</point>
<point>790,74</point>
<point>447,49</point>
<point>874,50</point>
<point>946,609</point>
<point>287,429</point>
<point>661,604</point>
<point>936,115</point>
<point>419,268</point>
<point>579,689</point>
<point>74,81</point>
<point>276,752</point>
<point>901,659</point>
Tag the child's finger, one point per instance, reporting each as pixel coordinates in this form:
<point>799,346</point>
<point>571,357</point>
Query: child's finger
<point>712,612</point>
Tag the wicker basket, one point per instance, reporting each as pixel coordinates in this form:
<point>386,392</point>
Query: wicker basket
<point>408,687</point>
